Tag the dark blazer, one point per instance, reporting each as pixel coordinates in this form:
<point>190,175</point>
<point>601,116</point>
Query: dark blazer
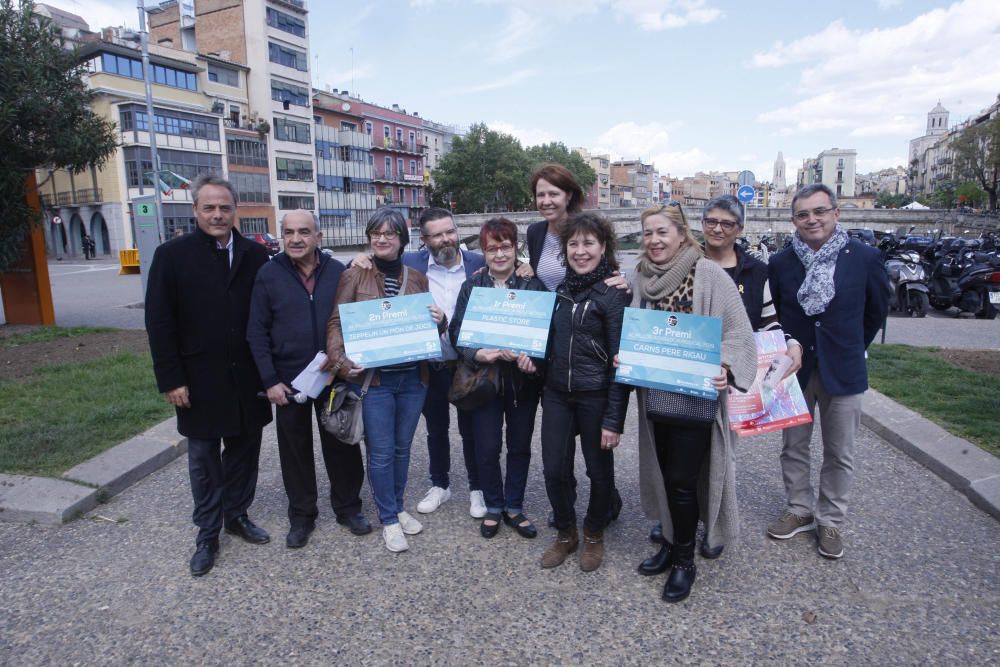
<point>196,318</point>
<point>835,340</point>
<point>288,326</point>
<point>536,241</point>
<point>418,260</point>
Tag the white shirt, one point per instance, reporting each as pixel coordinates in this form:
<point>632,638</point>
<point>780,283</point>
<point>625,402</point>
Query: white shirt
<point>445,283</point>
<point>228,246</point>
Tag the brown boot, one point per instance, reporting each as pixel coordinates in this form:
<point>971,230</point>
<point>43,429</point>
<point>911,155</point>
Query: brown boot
<point>593,550</point>
<point>566,543</point>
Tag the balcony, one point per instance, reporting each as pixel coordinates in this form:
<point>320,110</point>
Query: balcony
<point>397,146</point>
<point>89,196</point>
<point>390,176</point>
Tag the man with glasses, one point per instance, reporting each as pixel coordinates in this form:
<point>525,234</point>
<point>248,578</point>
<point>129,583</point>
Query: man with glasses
<point>447,267</point>
<point>831,293</point>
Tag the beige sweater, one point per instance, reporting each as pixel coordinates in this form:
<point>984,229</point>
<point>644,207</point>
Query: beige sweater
<point>715,295</point>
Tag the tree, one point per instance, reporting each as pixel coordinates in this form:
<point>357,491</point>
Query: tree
<point>45,117</point>
<point>558,153</point>
<point>888,200</point>
<point>977,157</point>
<point>944,195</point>
<point>485,171</point>
<point>970,194</point>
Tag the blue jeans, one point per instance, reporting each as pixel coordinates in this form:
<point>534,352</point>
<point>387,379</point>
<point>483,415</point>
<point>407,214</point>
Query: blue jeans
<point>437,417</point>
<point>488,427</point>
<point>391,412</point>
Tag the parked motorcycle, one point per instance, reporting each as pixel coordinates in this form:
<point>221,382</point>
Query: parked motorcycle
<point>967,280</point>
<point>908,277</point>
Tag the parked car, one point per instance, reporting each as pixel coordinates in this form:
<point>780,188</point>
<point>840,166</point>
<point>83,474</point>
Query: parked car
<point>269,242</point>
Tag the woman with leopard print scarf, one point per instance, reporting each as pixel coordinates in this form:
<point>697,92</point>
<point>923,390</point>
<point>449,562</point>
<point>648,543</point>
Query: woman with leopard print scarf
<point>688,471</point>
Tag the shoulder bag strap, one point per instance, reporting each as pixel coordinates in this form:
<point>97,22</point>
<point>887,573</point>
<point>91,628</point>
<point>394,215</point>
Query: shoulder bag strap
<point>368,381</point>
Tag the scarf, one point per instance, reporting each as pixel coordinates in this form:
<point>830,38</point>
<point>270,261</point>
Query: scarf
<point>658,281</point>
<point>817,289</point>
<point>576,282</point>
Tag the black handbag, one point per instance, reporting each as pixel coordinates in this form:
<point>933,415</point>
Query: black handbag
<point>473,387</point>
<point>341,416</point>
<point>668,407</point>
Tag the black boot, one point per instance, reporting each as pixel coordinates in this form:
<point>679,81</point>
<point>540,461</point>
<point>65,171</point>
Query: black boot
<point>658,563</point>
<point>682,574</point>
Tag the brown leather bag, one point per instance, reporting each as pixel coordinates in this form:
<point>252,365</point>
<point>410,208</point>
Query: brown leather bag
<point>473,387</point>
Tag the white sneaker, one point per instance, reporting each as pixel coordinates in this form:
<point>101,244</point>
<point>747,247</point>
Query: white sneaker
<point>395,541</point>
<point>433,500</point>
<point>477,506</point>
<point>409,525</point>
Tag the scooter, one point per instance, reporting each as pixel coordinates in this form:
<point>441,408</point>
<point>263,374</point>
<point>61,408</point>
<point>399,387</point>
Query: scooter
<point>908,277</point>
<point>969,281</point>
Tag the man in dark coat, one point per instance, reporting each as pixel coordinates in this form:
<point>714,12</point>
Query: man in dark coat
<point>197,306</point>
<point>831,293</point>
<point>292,300</point>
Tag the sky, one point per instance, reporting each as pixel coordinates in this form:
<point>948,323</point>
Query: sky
<point>690,85</point>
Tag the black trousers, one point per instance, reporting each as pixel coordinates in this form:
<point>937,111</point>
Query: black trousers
<point>681,452</point>
<point>294,423</point>
<point>223,480</point>
<point>563,415</point>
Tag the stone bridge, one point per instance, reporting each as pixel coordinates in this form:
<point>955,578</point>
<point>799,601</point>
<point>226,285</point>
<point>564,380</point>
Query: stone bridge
<point>763,221</point>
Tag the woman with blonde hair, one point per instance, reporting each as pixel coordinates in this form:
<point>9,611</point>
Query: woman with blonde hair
<point>687,470</point>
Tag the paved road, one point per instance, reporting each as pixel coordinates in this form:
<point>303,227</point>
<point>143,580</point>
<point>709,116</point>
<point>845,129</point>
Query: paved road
<point>918,583</point>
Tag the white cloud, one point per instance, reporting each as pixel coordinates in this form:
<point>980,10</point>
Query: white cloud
<point>889,4</point>
<point>345,77</point>
<point>496,84</point>
<point>667,14</point>
<point>528,136</point>
<point>520,34</point>
<point>882,82</point>
<point>651,143</point>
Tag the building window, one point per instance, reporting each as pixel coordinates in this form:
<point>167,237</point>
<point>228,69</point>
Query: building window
<point>413,167</point>
<point>388,167</point>
<point>285,22</point>
<point>293,170</point>
<point>169,122</point>
<point>385,129</point>
<point>132,68</point>
<point>183,163</point>
<point>288,130</point>
<point>246,150</point>
<point>399,137</point>
<point>288,57</point>
<point>368,128</point>
<point>350,127</point>
<point>399,168</point>
<point>402,195</point>
<point>223,75</point>
<point>289,92</point>
<point>251,188</point>
<point>413,196</point>
<point>290,202</point>
<point>253,225</point>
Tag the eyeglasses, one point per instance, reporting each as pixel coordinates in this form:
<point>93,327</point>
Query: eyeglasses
<point>505,248</point>
<point>802,216</point>
<point>440,235</point>
<point>388,235</point>
<point>672,203</point>
<point>712,223</point>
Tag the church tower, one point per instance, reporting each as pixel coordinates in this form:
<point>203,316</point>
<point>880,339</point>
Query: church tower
<point>779,172</point>
<point>937,120</point>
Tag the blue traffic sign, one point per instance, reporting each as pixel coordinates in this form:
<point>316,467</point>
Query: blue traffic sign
<point>745,194</point>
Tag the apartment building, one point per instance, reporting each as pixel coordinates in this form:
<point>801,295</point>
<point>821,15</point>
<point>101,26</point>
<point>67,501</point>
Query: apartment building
<point>633,184</point>
<point>836,168</point>
<point>599,195</point>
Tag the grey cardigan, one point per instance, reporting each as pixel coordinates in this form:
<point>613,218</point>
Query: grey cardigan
<point>715,295</point>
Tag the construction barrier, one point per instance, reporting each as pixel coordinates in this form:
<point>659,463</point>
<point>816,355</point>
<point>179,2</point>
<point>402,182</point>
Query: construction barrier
<point>129,260</point>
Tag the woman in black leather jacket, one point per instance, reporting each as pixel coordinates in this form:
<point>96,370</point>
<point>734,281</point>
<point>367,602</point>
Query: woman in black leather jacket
<point>517,399</point>
<point>580,392</point>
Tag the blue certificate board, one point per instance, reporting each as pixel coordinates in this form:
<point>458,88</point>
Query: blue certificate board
<point>382,332</point>
<point>672,351</point>
<point>507,319</point>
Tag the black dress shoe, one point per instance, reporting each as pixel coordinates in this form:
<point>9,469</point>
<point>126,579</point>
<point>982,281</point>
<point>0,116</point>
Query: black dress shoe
<point>204,557</point>
<point>488,531</point>
<point>243,527</point>
<point>656,533</point>
<point>529,531</point>
<point>658,563</point>
<point>358,523</point>
<point>298,536</point>
<point>710,552</point>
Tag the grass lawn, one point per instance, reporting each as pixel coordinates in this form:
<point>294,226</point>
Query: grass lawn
<point>43,334</point>
<point>963,402</point>
<point>64,414</point>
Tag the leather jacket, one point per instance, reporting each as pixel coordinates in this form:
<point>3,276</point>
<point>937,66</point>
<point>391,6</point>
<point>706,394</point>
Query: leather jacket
<point>583,340</point>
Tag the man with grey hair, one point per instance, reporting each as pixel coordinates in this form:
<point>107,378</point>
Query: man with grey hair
<point>292,299</point>
<point>831,293</point>
<point>197,305</point>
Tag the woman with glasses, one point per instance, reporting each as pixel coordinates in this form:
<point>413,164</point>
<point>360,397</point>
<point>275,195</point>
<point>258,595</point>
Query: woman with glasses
<point>722,223</point>
<point>517,399</point>
<point>581,395</point>
<point>558,196</point>
<point>395,397</point>
<point>687,470</point>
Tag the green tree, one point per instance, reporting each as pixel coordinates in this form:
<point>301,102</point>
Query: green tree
<point>889,200</point>
<point>485,171</point>
<point>977,157</point>
<point>45,117</point>
<point>944,195</point>
<point>558,153</point>
<point>970,194</point>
